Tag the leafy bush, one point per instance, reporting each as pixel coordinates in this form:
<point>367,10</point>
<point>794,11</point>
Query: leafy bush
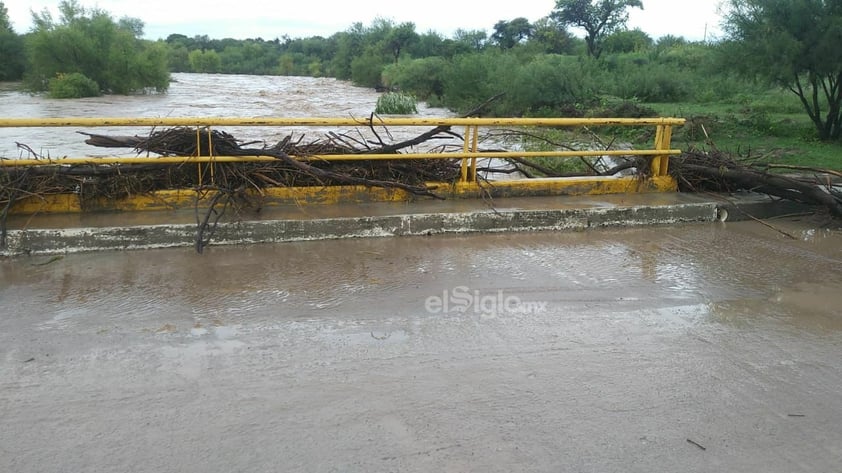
<point>396,103</point>
<point>695,56</point>
<point>551,85</point>
<point>633,76</point>
<point>366,70</point>
<point>89,41</point>
<point>73,86</point>
<point>207,62</point>
<point>474,78</point>
<point>627,41</point>
<point>421,77</point>
<point>12,50</point>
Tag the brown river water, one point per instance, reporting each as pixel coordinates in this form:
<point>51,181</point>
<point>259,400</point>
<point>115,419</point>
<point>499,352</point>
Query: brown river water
<point>193,95</point>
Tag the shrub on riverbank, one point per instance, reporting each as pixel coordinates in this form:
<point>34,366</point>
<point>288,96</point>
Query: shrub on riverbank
<point>396,103</point>
<point>73,86</point>
<point>90,42</point>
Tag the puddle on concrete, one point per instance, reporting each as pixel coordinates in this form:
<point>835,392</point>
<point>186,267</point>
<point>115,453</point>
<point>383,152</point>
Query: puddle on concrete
<point>371,279</point>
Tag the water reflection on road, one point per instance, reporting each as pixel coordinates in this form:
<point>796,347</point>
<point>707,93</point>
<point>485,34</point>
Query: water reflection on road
<point>705,265</point>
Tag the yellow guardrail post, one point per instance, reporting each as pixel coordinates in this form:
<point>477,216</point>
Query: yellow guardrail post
<point>655,166</point>
<point>465,149</point>
<point>199,153</point>
<point>211,164</point>
<point>666,141</point>
<point>663,141</point>
<point>469,162</point>
<point>474,149</point>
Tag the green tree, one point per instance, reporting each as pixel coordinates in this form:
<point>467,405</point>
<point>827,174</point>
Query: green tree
<point>301,56</point>
<point>548,36</point>
<point>628,41</point>
<point>421,77</point>
<point>399,38</point>
<point>796,44</point>
<point>11,49</point>
<point>550,85</point>
<point>348,46</point>
<point>363,52</point>
<point>91,43</point>
<point>474,40</point>
<point>286,64</point>
<point>669,41</point>
<point>5,23</point>
<point>508,34</point>
<point>471,79</point>
<point>430,44</point>
<point>178,58</point>
<point>367,70</point>
<point>597,17</point>
<point>251,56</point>
<point>207,61</point>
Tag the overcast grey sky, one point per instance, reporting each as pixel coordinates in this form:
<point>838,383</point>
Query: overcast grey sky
<point>257,18</point>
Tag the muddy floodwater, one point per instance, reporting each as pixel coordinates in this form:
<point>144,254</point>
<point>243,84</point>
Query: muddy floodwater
<point>698,348</point>
<point>193,95</point>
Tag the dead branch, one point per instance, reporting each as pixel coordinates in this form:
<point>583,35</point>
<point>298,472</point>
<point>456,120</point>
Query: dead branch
<point>717,171</point>
<point>109,141</point>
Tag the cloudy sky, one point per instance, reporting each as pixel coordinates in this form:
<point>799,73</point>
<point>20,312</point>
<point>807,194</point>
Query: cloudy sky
<point>257,18</point>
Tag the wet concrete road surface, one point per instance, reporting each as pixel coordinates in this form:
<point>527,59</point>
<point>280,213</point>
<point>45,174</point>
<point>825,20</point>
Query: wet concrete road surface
<point>695,348</point>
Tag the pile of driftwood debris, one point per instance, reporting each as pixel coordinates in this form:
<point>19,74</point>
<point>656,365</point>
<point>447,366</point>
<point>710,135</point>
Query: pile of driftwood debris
<point>289,166</point>
<point>695,170</point>
<point>717,171</point>
<point>117,181</point>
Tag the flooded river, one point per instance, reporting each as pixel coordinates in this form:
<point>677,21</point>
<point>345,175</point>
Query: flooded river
<point>192,95</point>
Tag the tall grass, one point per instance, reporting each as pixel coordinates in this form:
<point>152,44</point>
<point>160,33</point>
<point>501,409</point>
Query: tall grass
<point>396,103</point>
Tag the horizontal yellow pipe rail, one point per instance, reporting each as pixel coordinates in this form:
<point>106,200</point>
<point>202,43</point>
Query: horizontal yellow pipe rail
<point>659,162</point>
<point>659,179</point>
<point>384,121</point>
<point>331,157</point>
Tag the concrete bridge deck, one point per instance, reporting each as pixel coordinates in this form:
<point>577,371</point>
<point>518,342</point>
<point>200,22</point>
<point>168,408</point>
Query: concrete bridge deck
<point>693,348</point>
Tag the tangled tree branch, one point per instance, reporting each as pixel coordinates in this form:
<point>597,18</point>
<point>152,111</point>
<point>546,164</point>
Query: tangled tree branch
<point>717,171</point>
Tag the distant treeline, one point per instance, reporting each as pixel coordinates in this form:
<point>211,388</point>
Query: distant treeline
<point>542,68</point>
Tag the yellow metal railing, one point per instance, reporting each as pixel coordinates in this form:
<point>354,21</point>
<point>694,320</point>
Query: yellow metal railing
<point>660,153</point>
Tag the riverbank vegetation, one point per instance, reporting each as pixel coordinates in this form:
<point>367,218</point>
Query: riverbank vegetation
<point>771,88</point>
<point>84,53</point>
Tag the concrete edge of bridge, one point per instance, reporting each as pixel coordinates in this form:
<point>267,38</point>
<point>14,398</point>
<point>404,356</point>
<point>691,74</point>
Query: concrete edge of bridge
<point>56,236</point>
